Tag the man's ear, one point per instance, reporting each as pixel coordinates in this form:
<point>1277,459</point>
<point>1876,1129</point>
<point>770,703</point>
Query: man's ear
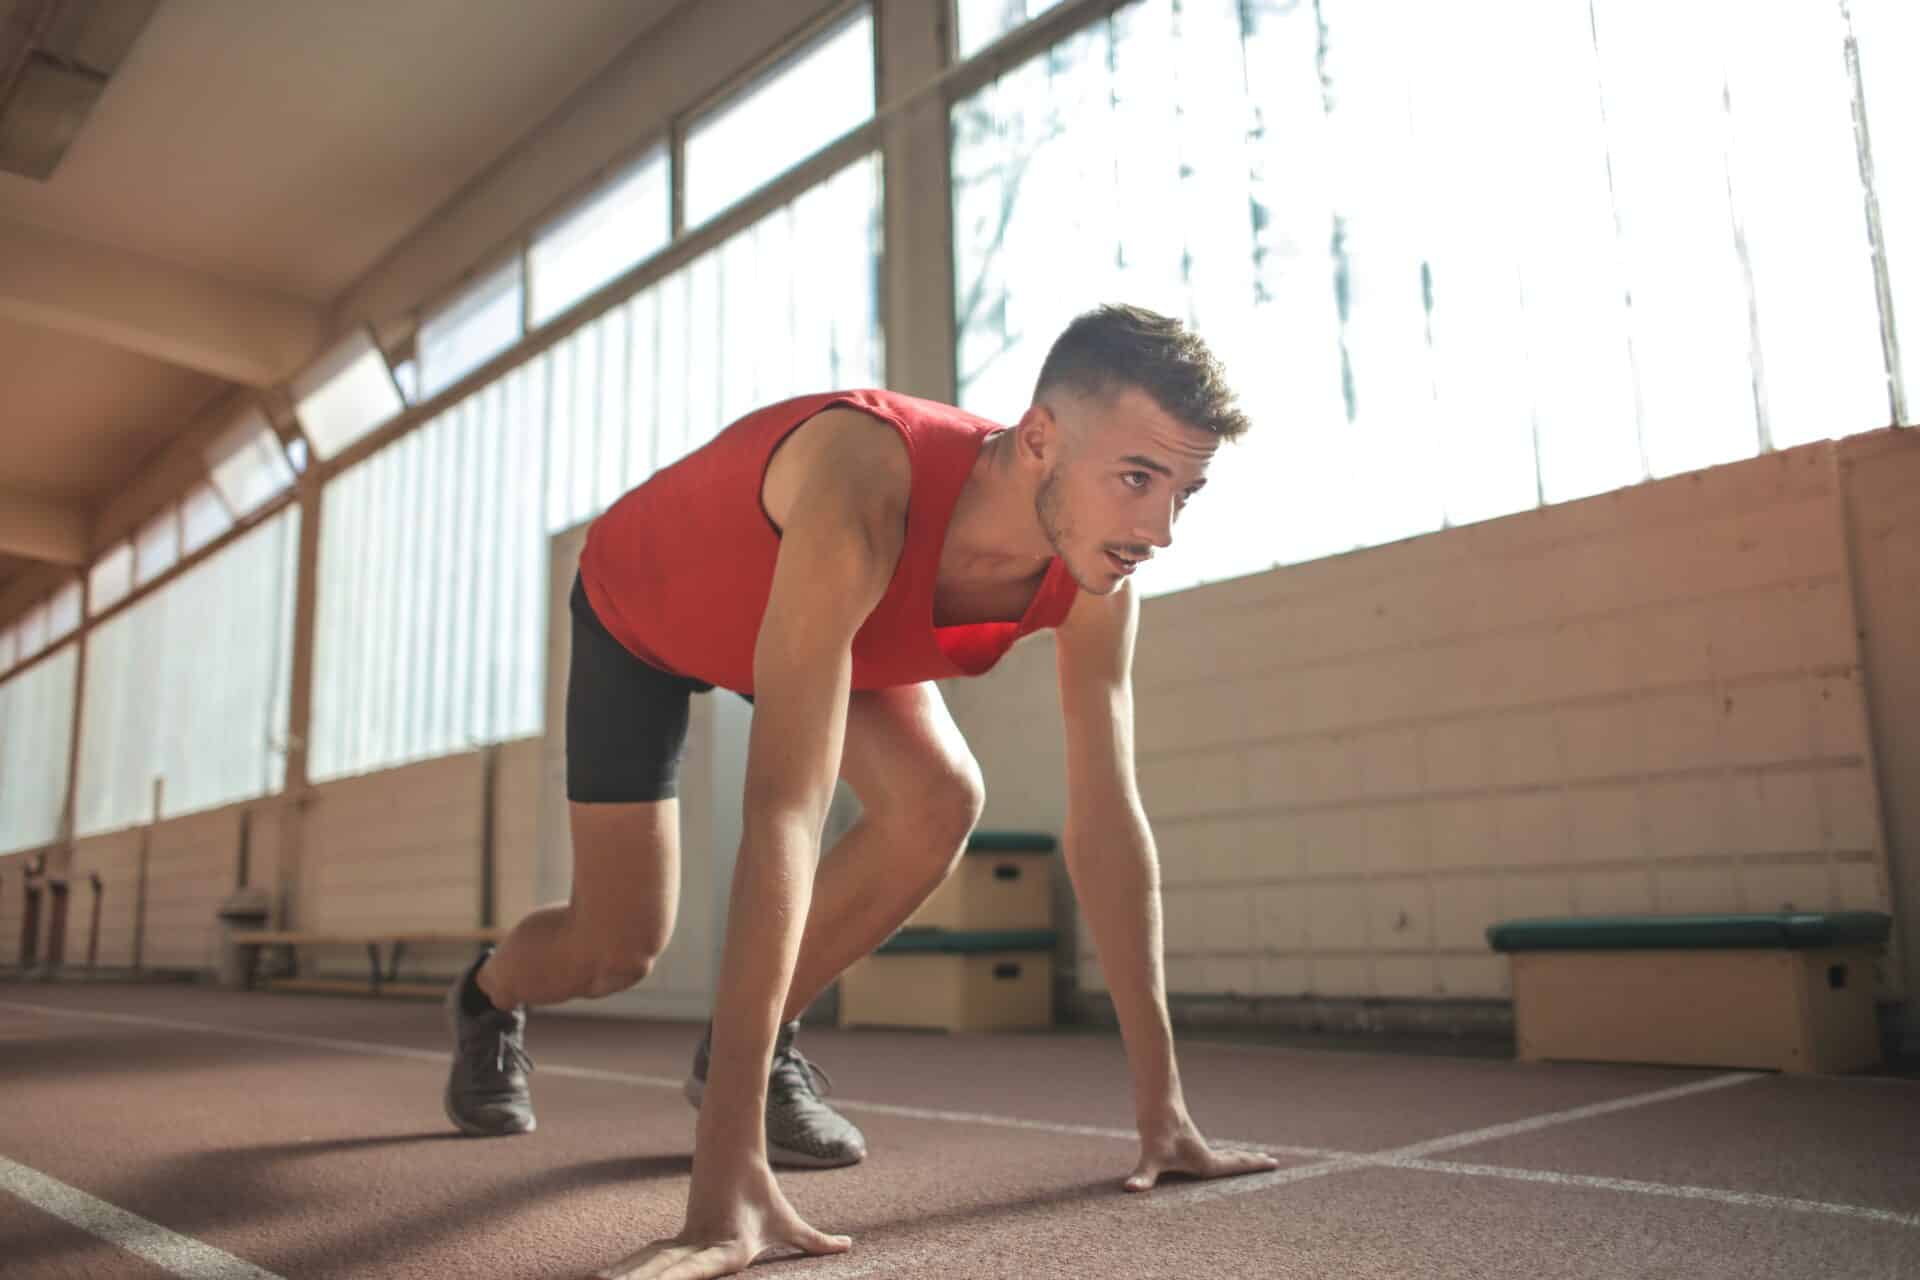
<point>1037,436</point>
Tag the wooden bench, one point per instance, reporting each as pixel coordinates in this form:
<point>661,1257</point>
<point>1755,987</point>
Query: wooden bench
<point>381,979</point>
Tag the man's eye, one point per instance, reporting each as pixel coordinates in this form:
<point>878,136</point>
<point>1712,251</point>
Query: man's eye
<point>1137,479</point>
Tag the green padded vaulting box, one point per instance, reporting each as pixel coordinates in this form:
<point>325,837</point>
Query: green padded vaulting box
<point>1788,992</point>
<point>953,980</point>
<point>1005,881</point>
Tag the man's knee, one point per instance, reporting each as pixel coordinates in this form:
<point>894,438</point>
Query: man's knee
<point>615,968</point>
<point>613,958</point>
<point>946,814</point>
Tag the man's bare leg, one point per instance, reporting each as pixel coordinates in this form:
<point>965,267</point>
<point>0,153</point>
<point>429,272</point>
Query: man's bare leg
<point>920,793</point>
<point>626,891</point>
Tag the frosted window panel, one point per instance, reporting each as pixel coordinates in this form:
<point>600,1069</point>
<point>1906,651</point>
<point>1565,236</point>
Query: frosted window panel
<point>203,518</point>
<point>431,620</point>
<point>822,92</point>
<point>33,632</point>
<point>609,233</point>
<point>345,395</point>
<point>247,464</point>
<point>63,612</point>
<point>1888,35</point>
<point>156,548</point>
<point>1796,181</point>
<point>469,331</point>
<point>110,579</point>
<point>36,737</point>
<point>406,376</point>
<point>190,685</point>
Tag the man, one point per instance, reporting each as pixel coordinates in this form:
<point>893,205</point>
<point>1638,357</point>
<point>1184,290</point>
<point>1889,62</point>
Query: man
<point>830,557</point>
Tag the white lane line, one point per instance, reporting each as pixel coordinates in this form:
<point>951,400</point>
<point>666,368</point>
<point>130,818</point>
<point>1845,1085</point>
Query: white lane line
<point>439,1058</point>
<point>436,1056</point>
<point>1069,1130</point>
<point>180,1255</point>
<point>1168,1198</point>
<point>1750,1199</point>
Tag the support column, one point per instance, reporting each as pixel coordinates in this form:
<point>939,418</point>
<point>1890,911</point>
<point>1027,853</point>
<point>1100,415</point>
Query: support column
<point>916,283</point>
<point>60,856</point>
<point>299,706</point>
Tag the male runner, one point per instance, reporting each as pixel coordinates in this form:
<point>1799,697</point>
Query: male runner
<point>832,556</point>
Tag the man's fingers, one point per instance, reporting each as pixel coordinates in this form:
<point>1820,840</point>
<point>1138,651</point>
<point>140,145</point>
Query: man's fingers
<point>1208,1164</point>
<point>817,1242</point>
<point>646,1264</point>
<point>669,1260</point>
<point>1226,1164</point>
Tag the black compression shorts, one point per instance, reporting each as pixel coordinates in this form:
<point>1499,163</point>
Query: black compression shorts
<point>626,720</point>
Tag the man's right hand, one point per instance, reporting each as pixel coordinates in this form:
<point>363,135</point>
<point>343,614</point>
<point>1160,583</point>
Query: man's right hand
<point>730,1226</point>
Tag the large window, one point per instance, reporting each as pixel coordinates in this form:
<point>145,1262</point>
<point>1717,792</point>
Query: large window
<point>823,91</point>
<point>63,612</point>
<point>189,686</point>
<point>623,223</point>
<point>433,559</point>
<point>1439,306</point>
<point>432,606</point>
<point>484,320</point>
<point>247,464</point>
<point>111,578</point>
<point>1887,33</point>
<point>345,395</point>
<point>36,734</point>
<point>978,23</point>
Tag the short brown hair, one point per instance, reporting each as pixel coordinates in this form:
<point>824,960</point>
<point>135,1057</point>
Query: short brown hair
<point>1117,346</point>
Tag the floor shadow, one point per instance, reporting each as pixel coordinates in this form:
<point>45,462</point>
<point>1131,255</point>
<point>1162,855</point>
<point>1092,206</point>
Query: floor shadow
<point>230,1187</point>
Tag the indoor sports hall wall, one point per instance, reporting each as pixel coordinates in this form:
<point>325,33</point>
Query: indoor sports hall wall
<point>1646,701</point>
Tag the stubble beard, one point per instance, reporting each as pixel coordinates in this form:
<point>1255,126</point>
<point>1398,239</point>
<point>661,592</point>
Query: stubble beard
<point>1047,508</point>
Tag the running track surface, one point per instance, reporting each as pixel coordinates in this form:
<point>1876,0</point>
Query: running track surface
<point>151,1131</point>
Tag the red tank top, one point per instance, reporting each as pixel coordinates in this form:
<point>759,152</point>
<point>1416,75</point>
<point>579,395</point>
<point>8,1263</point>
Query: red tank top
<point>679,569</point>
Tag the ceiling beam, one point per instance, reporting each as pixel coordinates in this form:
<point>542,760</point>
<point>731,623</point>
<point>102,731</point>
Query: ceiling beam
<point>53,532</point>
<point>154,308</point>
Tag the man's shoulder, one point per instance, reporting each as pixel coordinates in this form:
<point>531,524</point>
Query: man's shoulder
<point>911,411</point>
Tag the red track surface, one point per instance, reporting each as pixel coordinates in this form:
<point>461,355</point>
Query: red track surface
<point>223,1119</point>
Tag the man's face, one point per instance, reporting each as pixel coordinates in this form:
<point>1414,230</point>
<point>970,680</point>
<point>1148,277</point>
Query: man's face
<point>1121,474</point>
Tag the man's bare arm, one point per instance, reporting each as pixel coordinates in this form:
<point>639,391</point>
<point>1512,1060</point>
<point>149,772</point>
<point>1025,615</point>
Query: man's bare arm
<point>843,531</point>
<point>1116,876</point>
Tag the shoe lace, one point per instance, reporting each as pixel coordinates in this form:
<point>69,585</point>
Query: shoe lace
<point>508,1050</point>
<point>507,1054</point>
<point>793,1072</point>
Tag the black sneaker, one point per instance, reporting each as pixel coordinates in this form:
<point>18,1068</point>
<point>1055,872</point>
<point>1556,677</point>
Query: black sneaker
<point>802,1130</point>
<point>487,1094</point>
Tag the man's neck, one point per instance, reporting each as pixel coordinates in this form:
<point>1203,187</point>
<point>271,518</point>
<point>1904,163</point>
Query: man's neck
<point>994,535</point>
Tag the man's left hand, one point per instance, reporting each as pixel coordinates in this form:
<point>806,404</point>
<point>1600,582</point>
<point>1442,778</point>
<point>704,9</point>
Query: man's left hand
<point>1181,1149</point>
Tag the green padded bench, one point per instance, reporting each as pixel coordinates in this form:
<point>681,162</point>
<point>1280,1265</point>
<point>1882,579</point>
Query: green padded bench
<point>954,980</point>
<point>1789,992</point>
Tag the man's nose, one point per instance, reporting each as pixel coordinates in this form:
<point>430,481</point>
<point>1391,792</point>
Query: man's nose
<point>1159,530</point>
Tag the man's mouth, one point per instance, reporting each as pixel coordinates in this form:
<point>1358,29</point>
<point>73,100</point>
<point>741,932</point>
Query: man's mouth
<point>1124,564</point>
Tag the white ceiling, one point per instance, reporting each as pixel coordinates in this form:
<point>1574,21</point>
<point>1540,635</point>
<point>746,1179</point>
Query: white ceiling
<point>250,161</point>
